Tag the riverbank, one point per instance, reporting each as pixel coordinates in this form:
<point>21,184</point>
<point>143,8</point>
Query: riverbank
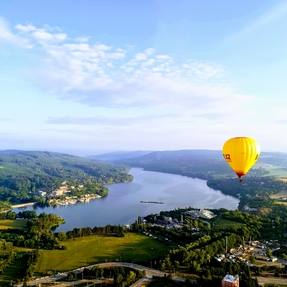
<point>68,200</point>
<point>22,205</point>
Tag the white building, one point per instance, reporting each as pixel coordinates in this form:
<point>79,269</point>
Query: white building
<point>206,214</point>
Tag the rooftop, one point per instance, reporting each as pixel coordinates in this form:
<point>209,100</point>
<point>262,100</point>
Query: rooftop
<point>230,278</point>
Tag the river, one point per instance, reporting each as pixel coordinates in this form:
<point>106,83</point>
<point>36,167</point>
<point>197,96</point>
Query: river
<point>123,203</point>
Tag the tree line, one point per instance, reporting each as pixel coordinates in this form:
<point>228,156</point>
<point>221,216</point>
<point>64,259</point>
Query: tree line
<point>111,230</point>
<point>121,276</point>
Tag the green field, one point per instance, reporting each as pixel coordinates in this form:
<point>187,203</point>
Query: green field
<point>95,248</point>
<point>12,224</point>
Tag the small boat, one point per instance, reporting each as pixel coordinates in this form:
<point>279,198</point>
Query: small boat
<point>154,202</point>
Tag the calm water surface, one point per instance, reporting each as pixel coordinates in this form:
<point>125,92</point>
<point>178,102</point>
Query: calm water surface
<point>123,206</point>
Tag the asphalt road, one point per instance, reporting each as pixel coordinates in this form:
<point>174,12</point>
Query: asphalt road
<point>149,273</point>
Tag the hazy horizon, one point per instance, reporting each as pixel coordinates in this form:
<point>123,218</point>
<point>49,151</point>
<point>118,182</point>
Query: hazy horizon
<point>87,153</point>
<point>101,76</point>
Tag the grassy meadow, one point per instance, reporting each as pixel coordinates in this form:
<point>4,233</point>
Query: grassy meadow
<point>95,248</point>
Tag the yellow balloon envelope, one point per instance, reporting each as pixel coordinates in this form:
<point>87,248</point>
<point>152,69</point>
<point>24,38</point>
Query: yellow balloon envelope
<point>241,153</point>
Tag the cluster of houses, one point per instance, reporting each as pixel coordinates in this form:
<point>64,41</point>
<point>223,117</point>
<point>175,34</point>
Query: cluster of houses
<point>60,191</point>
<point>68,200</point>
<point>60,196</point>
<point>260,250</point>
<point>255,249</point>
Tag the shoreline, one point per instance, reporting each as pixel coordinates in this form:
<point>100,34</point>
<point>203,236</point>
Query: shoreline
<point>60,202</point>
<point>22,205</point>
<point>73,200</point>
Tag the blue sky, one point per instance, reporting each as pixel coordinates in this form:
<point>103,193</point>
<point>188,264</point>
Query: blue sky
<point>100,75</point>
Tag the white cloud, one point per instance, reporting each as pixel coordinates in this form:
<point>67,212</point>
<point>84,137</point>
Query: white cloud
<point>41,35</point>
<point>7,36</point>
<point>97,74</point>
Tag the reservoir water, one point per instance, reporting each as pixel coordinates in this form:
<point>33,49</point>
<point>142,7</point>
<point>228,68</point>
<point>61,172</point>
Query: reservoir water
<point>123,203</point>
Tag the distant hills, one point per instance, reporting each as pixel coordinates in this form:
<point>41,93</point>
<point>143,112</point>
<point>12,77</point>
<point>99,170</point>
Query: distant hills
<point>195,163</point>
<point>119,155</point>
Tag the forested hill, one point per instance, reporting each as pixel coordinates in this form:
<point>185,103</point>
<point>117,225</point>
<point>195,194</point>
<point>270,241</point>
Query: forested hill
<point>23,173</point>
<point>195,163</point>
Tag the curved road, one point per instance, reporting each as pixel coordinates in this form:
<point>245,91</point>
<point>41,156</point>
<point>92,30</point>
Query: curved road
<point>149,273</point>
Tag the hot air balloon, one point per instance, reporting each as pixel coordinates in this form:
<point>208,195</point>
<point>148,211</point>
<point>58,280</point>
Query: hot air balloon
<point>241,153</point>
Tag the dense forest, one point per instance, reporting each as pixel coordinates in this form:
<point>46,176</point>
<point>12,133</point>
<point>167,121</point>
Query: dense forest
<point>24,173</point>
